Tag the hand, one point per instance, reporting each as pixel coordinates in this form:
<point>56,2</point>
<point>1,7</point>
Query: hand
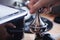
<point>34,5</point>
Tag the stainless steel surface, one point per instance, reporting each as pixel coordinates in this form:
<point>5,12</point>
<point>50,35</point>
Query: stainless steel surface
<point>37,24</point>
<point>10,13</point>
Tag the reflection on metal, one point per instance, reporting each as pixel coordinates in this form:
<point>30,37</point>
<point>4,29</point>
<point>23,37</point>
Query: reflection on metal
<point>40,25</point>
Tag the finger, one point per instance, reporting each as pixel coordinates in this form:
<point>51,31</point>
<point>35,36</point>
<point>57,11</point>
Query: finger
<point>31,3</point>
<point>34,7</point>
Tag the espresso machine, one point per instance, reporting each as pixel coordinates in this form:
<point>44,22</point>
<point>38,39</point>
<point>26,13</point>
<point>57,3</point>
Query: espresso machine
<point>14,16</point>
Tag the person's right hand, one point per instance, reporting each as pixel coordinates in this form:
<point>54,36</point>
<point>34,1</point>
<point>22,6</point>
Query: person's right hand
<point>34,5</point>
